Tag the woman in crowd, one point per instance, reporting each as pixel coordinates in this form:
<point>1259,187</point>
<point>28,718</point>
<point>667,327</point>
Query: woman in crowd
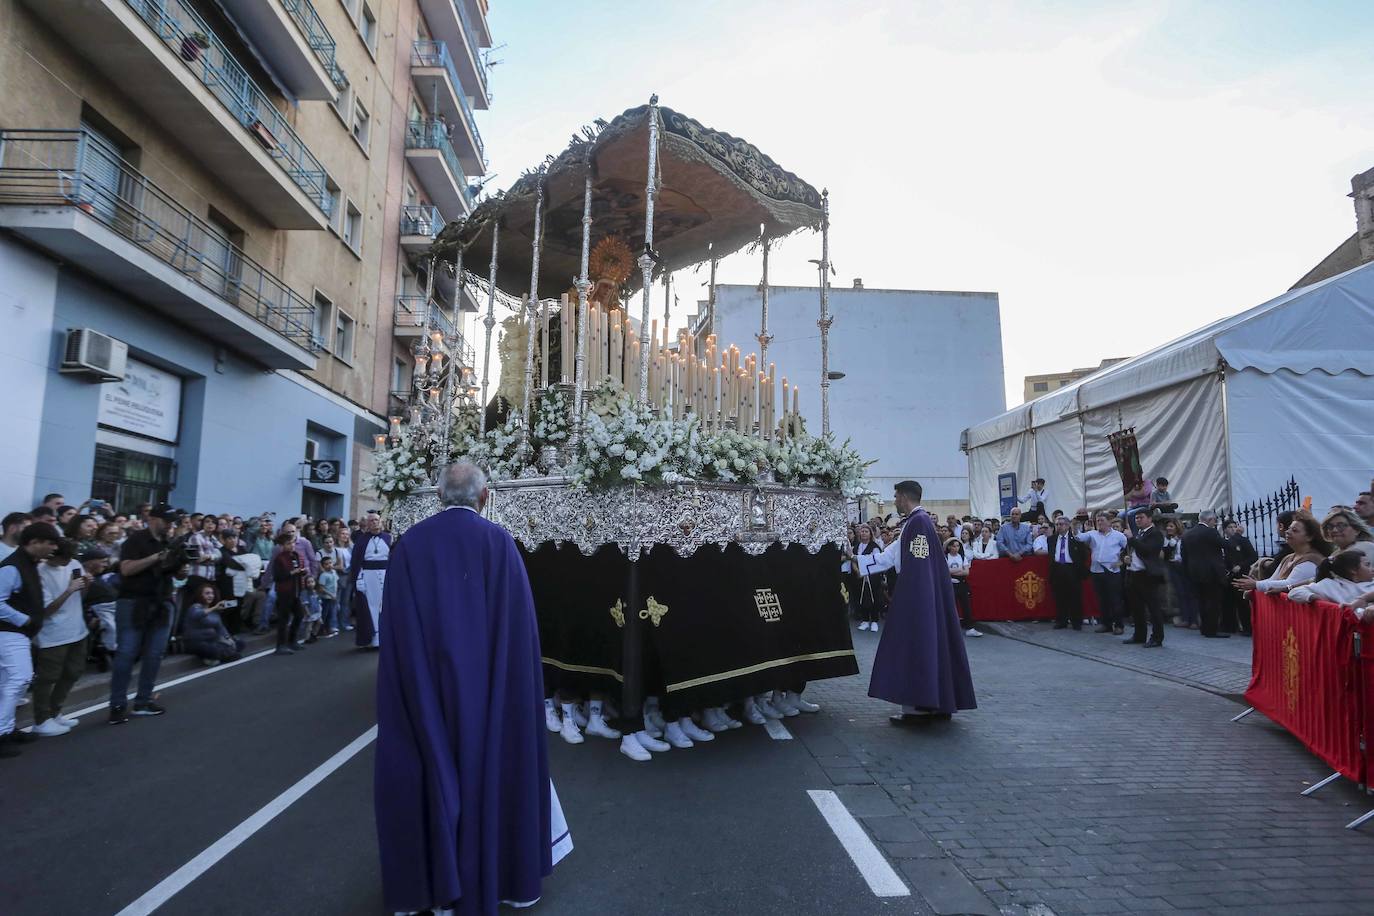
<point>966,537</point>
<point>1341,578</point>
<point>109,538</point>
<point>343,556</point>
<point>203,548</point>
<point>1347,531</point>
<point>1185,603</point>
<point>1309,549</point>
<point>984,547</point>
<point>82,530</point>
<point>204,634</point>
<point>869,591</point>
<point>958,573</point>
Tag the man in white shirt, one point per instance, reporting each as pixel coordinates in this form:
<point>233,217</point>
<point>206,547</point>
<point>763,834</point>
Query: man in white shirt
<point>1105,569</point>
<point>1039,544</point>
<point>1037,500</point>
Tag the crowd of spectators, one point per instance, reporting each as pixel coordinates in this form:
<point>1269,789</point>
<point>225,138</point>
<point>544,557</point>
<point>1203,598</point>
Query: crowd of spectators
<point>86,587</point>
<point>1145,563</point>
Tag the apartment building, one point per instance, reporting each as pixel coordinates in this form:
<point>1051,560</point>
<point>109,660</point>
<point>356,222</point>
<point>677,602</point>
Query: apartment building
<point>212,214</point>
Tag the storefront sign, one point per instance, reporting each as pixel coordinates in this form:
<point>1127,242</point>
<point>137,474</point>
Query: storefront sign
<point>147,402</point>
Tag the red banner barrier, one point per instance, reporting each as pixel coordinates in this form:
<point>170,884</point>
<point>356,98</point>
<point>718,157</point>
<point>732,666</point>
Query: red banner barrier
<point>1365,631</point>
<point>1006,590</point>
<point>1305,677</point>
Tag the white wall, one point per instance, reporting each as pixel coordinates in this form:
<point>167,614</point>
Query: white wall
<point>920,367</point>
<point>28,289</point>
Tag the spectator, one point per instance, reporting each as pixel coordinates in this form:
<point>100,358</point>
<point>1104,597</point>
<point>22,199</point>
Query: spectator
<point>98,602</point>
<point>1204,560</point>
<point>1104,568</point>
<point>205,635</point>
<point>958,574</point>
<point>81,529</point>
<point>310,608</point>
<point>109,538</point>
<point>143,613</point>
<point>53,501</point>
<point>60,646</point>
<point>985,547</point>
<point>1144,577</point>
<point>1069,561</point>
<point>11,526</point>
<point>203,549</point>
<point>21,617</point>
<point>1364,508</point>
<point>64,516</point>
<point>304,549</point>
<point>328,589</point>
<point>242,568</point>
<point>1240,556</point>
<point>1138,497</point>
<point>1040,544</point>
<point>966,537</point>
<point>1184,602</point>
<point>1160,498</point>
<point>1341,579</point>
<point>1299,567</point>
<point>287,572</point>
<point>1347,531</point>
<point>869,590</point>
<point>1036,500</point>
<point>343,558</point>
<point>1014,540</point>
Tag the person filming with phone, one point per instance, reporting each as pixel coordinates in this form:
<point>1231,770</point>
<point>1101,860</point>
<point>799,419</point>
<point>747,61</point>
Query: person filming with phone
<point>204,634</point>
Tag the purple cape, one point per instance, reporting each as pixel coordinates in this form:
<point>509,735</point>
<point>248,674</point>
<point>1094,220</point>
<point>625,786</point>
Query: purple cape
<point>462,772</point>
<point>921,660</point>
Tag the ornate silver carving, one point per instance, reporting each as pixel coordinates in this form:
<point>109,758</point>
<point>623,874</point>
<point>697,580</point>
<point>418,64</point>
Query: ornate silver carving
<point>686,517</point>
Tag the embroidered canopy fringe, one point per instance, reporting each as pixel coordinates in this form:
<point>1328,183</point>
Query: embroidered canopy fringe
<point>716,190</point>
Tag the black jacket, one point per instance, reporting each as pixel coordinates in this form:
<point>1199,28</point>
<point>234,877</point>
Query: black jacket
<point>1149,546</point>
<point>1240,555</point>
<point>28,598</point>
<point>1204,555</point>
<point>1079,552</point>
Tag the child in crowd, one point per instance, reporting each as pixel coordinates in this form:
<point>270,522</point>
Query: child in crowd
<point>329,594</point>
<point>310,607</point>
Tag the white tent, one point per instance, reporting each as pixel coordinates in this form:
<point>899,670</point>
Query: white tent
<point>1227,413</point>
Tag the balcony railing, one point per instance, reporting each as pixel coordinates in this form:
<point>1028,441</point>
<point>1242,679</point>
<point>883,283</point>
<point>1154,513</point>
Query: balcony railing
<point>71,168</point>
<point>434,135</point>
<point>470,34</point>
<point>421,219</point>
<point>317,36</point>
<point>419,312</point>
<point>435,54</point>
<point>183,30</point>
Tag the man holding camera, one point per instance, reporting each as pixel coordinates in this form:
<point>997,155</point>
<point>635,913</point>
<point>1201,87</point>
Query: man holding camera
<point>143,613</point>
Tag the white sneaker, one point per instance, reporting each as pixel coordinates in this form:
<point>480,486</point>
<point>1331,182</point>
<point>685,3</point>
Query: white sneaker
<point>694,731</point>
<point>802,705</point>
<point>633,749</point>
<point>674,736</point>
<point>779,701</point>
<point>64,720</point>
<point>751,712</point>
<point>650,728</point>
<point>767,708</point>
<point>972,632</point>
<point>569,732</point>
<point>713,717</point>
<point>552,721</point>
<point>730,721</point>
<point>597,726</point>
<point>650,743</point>
<point>863,624</point>
<point>580,715</point>
<point>49,728</point>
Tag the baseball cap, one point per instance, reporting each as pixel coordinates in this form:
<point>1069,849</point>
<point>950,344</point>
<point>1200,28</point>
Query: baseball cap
<point>164,512</point>
<point>93,553</point>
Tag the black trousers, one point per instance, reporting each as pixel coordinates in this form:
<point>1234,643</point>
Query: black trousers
<point>964,598</point>
<point>1067,589</point>
<point>288,618</point>
<point>1143,595</point>
<point>1235,612</point>
<point>1107,585</point>
<point>1211,597</point>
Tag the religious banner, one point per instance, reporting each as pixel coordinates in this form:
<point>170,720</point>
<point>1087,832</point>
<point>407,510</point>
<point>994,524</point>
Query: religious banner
<point>1126,451</point>
<point>1005,590</point>
<point>1305,677</point>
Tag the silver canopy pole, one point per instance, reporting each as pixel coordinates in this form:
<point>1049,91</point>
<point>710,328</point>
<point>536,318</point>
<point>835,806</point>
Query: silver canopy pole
<point>580,365</point>
<point>490,322</point>
<point>530,315</point>
<point>646,263</point>
<point>825,320</point>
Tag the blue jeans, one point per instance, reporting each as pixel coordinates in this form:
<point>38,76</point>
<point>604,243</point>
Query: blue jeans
<point>328,609</point>
<point>148,641</point>
<point>1183,594</point>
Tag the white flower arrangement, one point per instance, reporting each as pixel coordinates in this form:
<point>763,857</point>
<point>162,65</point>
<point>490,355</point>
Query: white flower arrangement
<point>401,468</point>
<point>497,452</point>
<point>734,457</point>
<point>551,414</point>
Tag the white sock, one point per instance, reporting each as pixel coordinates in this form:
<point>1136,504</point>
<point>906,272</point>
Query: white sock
<point>596,709</point>
<point>568,711</point>
<point>548,704</point>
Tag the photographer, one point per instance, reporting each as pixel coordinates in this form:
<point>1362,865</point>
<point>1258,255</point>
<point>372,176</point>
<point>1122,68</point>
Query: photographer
<point>143,612</point>
<point>205,635</point>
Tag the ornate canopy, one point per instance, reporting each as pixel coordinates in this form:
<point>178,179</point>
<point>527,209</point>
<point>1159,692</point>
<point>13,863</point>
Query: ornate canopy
<point>716,190</point>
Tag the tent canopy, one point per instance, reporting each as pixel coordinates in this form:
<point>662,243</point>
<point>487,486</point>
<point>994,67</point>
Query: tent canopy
<point>715,192</point>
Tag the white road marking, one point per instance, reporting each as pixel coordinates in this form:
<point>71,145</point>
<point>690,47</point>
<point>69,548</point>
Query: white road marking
<point>179,879</point>
<point>881,877</point>
<point>175,681</point>
<point>776,730</point>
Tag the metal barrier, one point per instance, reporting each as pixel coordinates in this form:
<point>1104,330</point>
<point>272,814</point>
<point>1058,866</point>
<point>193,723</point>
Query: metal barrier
<point>435,54</point>
<point>317,37</point>
<point>421,219</point>
<point>434,135</point>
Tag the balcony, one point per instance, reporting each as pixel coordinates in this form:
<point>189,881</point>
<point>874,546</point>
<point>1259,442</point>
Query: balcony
<point>166,58</point>
<point>293,39</point>
<point>416,316</point>
<point>69,193</point>
<point>450,22</point>
<point>431,69</point>
<point>420,223</point>
<point>431,154</point>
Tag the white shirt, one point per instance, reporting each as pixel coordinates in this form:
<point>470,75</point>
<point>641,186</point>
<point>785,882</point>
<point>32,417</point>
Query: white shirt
<point>66,624</point>
<point>1177,544</point>
<point>1041,544</point>
<point>1041,496</point>
<point>6,550</point>
<point>1335,590</point>
<point>1137,564</point>
<point>1061,551</point>
<point>890,557</point>
<point>978,549</point>
<point>1300,574</point>
<point>1106,548</point>
<point>954,561</point>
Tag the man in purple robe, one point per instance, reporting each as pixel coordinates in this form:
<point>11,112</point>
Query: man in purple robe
<point>921,663</point>
<point>467,817</point>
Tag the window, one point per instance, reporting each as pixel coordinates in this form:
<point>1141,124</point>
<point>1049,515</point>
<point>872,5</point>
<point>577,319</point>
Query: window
<point>335,194</point>
<point>350,7</point>
<point>126,478</point>
<point>367,28</point>
<point>312,449</point>
<point>1040,386</point>
<point>362,124</point>
<point>343,336</point>
<point>319,329</point>
<point>400,368</point>
<point>353,227</point>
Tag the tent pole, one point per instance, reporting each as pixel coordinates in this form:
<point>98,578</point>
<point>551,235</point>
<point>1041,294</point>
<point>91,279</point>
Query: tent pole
<point>1226,435</point>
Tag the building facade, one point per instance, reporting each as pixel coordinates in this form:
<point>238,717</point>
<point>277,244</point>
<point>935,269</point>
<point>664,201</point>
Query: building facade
<point>1040,385</point>
<point>917,365</point>
<point>211,216</point>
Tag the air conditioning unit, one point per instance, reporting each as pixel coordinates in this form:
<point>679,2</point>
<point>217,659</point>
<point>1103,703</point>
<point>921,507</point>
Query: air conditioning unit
<point>96,355</point>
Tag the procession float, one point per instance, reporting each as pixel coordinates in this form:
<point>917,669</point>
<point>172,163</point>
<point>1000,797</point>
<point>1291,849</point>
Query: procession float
<point>682,529</point>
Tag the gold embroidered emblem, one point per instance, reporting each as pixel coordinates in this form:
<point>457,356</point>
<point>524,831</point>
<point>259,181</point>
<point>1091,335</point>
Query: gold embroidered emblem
<point>1291,669</point>
<point>920,547</point>
<point>844,593</point>
<point>618,613</point>
<point>1030,591</point>
<point>770,608</point>
<point>655,612</point>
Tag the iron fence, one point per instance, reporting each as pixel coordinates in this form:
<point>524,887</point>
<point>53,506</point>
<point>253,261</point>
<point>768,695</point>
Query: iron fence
<point>1259,518</point>
<point>433,134</point>
<point>317,37</point>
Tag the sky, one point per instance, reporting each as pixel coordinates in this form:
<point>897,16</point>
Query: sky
<point>1120,173</point>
